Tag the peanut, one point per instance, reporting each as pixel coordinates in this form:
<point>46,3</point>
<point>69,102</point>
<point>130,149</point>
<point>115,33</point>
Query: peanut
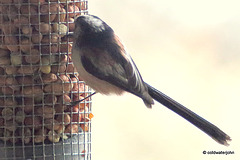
<point>48,78</point>
<point>63,78</point>
<point>77,115</point>
<point>51,124</point>
<point>5,60</point>
<point>52,8</point>
<point>20,116</point>
<point>11,70</point>
<point>12,12</point>
<point>33,57</point>
<point>64,99</point>
<point>21,20</point>
<point>48,49</point>
<point>40,135</point>
<point>62,15</point>
<point>27,30</point>
<point>36,37</point>
<point>11,43</point>
<point>46,111</point>
<point>9,28</point>
<point>60,108</point>
<point>11,125</point>
<point>81,105</point>
<point>27,69</point>
<point>45,69</point>
<point>58,68</point>
<point>4,52</point>
<point>58,88</point>
<point>71,128</point>
<point>33,122</point>
<point>7,90</point>
<point>73,10</point>
<point>53,136</point>
<point>61,29</point>
<point>85,127</point>
<point>15,59</point>
<point>61,129</point>
<point>25,80</point>
<point>53,38</point>
<point>81,5</point>
<point>50,99</point>
<point>28,105</point>
<point>12,83</point>
<point>32,90</point>
<point>25,45</point>
<point>48,12</point>
<point>64,119</point>
<point>7,113</point>
<point>27,10</point>
<point>25,134</point>
<point>43,28</point>
<point>71,24</point>
<point>6,135</point>
<point>70,68</point>
<point>8,102</point>
<point>65,47</point>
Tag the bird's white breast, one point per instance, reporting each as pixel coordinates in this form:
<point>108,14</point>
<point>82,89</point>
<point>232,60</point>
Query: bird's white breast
<point>97,84</point>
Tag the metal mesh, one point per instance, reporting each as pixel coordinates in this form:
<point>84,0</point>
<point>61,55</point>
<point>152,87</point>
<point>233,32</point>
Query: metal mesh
<point>38,80</point>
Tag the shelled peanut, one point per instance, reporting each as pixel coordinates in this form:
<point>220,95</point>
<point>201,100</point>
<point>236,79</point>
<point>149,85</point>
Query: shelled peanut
<point>37,77</point>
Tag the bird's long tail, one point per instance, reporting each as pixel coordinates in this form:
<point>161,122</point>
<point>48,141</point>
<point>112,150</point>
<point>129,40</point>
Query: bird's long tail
<point>207,127</point>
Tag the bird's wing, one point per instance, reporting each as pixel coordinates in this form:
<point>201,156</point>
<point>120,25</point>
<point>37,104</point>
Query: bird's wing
<point>116,68</point>
<point>135,80</point>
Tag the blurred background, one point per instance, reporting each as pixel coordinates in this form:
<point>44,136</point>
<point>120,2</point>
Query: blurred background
<point>189,50</point>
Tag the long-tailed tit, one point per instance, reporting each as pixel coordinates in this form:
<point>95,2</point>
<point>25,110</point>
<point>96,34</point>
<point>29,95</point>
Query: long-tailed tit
<point>104,64</point>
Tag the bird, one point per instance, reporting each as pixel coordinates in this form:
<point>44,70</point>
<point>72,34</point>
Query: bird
<point>104,64</point>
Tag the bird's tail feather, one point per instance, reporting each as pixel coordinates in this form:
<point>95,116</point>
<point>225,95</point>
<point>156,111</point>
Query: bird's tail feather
<point>207,127</point>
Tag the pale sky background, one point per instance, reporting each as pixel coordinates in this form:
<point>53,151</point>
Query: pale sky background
<point>188,49</point>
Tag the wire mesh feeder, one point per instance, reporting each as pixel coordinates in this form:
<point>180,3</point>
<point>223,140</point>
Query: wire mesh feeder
<point>38,79</point>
